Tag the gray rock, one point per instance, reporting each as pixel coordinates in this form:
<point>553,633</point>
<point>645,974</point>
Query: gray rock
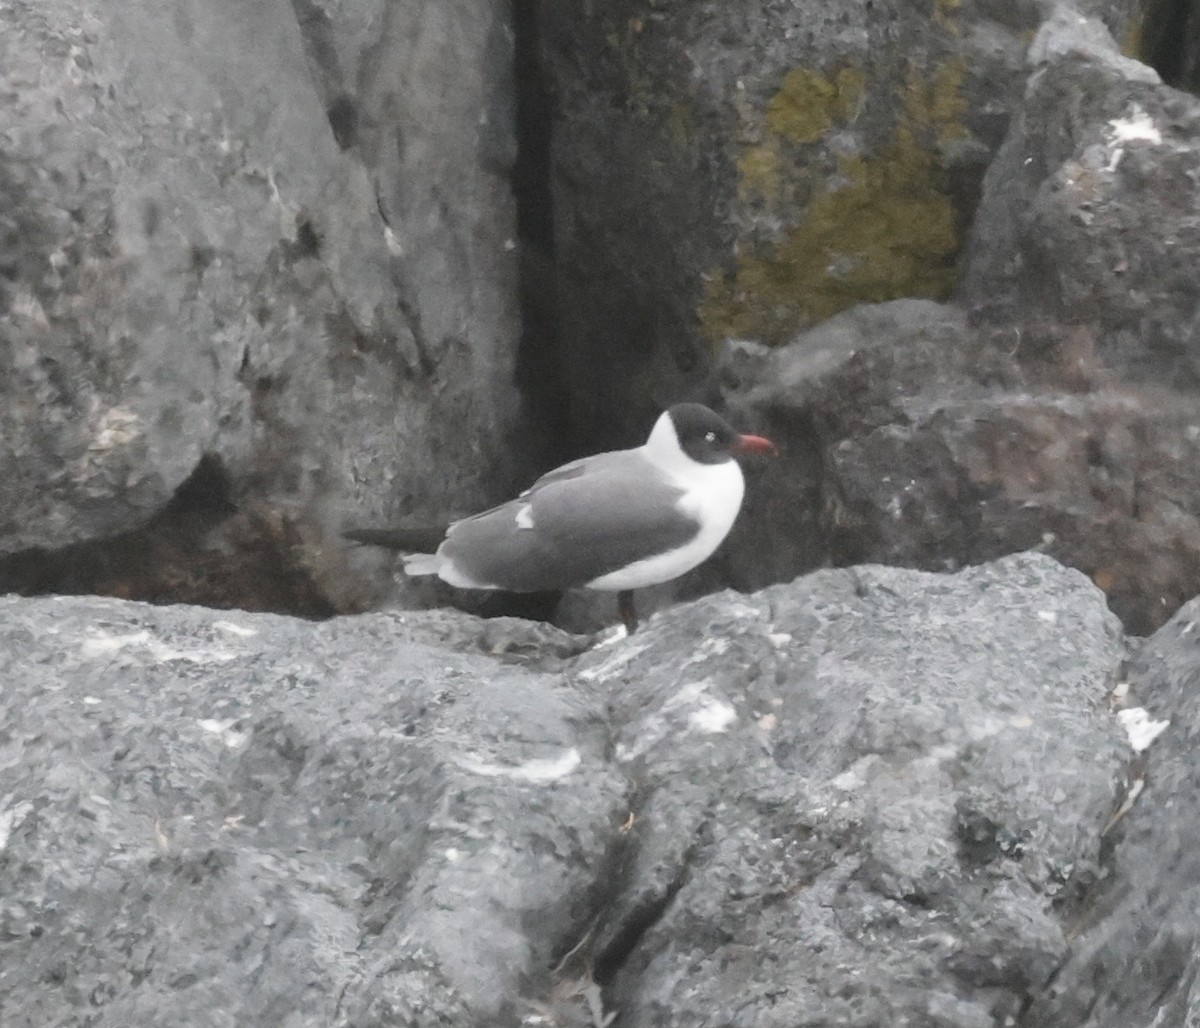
<point>868,795</point>
<point>230,819</point>
<point>1070,33</point>
<point>861,802</point>
<point>226,232</point>
<point>917,435</point>
<point>1135,963</point>
<point>1088,222</point>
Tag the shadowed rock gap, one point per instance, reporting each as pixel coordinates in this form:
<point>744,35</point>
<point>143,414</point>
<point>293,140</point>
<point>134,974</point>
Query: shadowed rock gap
<point>633,930</point>
<point>1169,42</point>
<point>200,548</point>
<point>341,109</point>
<point>539,373</point>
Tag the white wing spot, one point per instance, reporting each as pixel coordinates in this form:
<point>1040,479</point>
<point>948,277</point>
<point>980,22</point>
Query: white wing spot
<point>525,516</point>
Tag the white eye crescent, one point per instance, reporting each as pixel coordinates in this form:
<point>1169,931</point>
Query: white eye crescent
<point>710,437</point>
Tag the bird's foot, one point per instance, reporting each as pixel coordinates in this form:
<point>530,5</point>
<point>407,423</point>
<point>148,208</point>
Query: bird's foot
<point>627,610</point>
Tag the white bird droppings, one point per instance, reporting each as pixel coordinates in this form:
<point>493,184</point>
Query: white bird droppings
<point>614,665</point>
<point>857,774</point>
<point>152,651</point>
<point>225,730</point>
<point>712,717</point>
<point>1138,127</point>
<point>1142,731</point>
<point>537,771</point>
<point>714,646</point>
<point>9,820</point>
<point>104,645</point>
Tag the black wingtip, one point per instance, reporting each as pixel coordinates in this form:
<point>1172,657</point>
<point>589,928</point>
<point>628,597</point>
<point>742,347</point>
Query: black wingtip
<point>422,539</point>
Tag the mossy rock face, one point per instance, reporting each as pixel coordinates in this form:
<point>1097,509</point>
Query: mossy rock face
<point>808,104</point>
<point>735,169</point>
<point>889,233</point>
<point>881,226</point>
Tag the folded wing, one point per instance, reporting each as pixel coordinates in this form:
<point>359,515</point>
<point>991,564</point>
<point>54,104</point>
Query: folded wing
<point>575,524</point>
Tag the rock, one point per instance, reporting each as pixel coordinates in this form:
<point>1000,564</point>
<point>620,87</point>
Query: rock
<point>740,170</point>
<point>284,245</point>
<point>912,438</point>
<point>861,378</point>
<point>1135,961</point>
<point>867,795</point>
<point>1087,223</point>
<point>233,819</point>
<point>855,784</point>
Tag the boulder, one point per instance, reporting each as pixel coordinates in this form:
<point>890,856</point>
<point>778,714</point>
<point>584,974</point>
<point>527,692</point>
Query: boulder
<point>279,237</point>
<point>912,438</point>
<point>1135,961</point>
<point>861,804</point>
<point>1079,252</point>
<point>867,796</point>
<point>231,819</point>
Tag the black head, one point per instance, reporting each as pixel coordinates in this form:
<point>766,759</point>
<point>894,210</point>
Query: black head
<point>708,439</point>
<point>704,436</point>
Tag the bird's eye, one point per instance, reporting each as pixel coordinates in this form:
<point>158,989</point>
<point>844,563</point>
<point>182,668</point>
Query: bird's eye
<point>710,437</point>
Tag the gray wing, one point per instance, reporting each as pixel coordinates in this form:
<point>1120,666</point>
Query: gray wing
<point>574,524</point>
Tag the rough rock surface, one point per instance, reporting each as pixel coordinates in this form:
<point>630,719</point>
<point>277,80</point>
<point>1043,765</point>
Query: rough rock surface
<point>1089,219</point>
<point>280,234</point>
<point>1136,963</point>
<point>913,439</point>
<point>868,796</point>
<point>233,819</point>
<point>747,169</point>
<point>879,814</point>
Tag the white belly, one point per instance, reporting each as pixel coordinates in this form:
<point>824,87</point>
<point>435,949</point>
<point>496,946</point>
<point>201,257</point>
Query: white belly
<point>713,497</point>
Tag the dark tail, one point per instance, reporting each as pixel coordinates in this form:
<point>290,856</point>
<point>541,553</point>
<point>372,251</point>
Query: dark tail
<point>424,539</point>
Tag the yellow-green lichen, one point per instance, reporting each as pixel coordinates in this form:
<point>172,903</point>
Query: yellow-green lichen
<point>808,103</point>
<point>888,233</point>
<point>937,102</point>
<point>760,172</point>
<point>943,10</point>
<point>881,228</point>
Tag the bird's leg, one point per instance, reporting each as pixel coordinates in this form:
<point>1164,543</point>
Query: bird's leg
<point>627,610</point>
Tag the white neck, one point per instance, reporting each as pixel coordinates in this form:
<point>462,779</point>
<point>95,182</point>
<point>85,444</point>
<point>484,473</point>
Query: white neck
<point>710,494</point>
<point>662,449</point>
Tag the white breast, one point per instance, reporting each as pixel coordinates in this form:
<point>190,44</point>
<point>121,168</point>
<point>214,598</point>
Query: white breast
<point>712,496</point>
